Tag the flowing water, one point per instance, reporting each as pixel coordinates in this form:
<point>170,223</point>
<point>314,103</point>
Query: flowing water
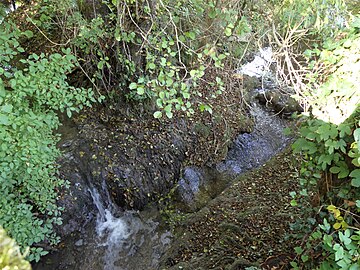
<point>125,235</point>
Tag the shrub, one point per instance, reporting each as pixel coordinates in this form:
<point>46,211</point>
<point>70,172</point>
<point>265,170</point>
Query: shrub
<point>32,90</point>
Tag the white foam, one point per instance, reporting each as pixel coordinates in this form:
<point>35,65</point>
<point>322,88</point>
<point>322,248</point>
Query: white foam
<point>260,65</point>
<point>115,228</point>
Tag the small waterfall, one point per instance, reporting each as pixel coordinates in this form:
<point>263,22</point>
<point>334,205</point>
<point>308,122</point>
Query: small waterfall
<point>113,231</point>
<point>126,236</point>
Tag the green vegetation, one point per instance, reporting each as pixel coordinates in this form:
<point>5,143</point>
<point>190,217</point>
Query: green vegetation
<point>157,54</point>
<point>10,256</point>
<point>329,143</point>
<point>30,95</point>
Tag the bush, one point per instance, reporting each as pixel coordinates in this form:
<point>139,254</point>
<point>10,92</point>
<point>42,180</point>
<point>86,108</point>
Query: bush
<point>32,90</point>
<point>329,143</point>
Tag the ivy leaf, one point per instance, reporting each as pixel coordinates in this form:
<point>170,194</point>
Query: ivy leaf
<point>344,130</point>
<point>193,72</point>
<point>325,160</point>
<point>344,238</point>
<point>342,145</point>
<point>2,88</point>
<point>342,169</point>
<point>304,258</point>
<point>152,66</point>
<point>186,95</point>
<point>356,178</point>
<point>358,203</point>
<point>298,250</point>
<point>28,34</point>
<point>327,131</point>
<point>339,254</point>
<point>169,114</point>
<point>68,112</point>
<point>357,137</point>
<point>227,31</point>
<point>191,35</point>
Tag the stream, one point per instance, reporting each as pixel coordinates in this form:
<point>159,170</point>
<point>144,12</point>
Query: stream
<point>116,239</point>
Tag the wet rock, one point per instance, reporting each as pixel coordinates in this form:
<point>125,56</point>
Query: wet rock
<point>280,103</point>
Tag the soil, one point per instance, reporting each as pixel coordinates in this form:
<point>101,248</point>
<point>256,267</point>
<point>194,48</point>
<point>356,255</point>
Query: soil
<point>247,225</point>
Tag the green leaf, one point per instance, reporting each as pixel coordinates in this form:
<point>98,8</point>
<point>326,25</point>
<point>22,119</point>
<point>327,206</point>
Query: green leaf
<point>298,250</point>
<point>293,203</point>
<point>304,258</point>
<point>100,65</point>
<point>140,90</point>
<point>356,178</point>
<point>212,14</point>
<point>193,72</point>
<point>344,238</point>
<point>4,120</point>
<point>169,114</point>
<point>186,95</point>
<point>339,254</point>
<point>228,31</point>
<point>68,112</point>
<point>117,35</point>
<point>355,173</point>
<point>157,114</point>
<point>28,34</point>
<point>357,137</point>
<point>191,35</point>
<point>344,130</point>
<point>222,56</point>
<point>358,203</point>
<point>133,85</point>
<point>335,170</point>
<point>151,66</point>
<point>7,108</point>
<point>327,131</point>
